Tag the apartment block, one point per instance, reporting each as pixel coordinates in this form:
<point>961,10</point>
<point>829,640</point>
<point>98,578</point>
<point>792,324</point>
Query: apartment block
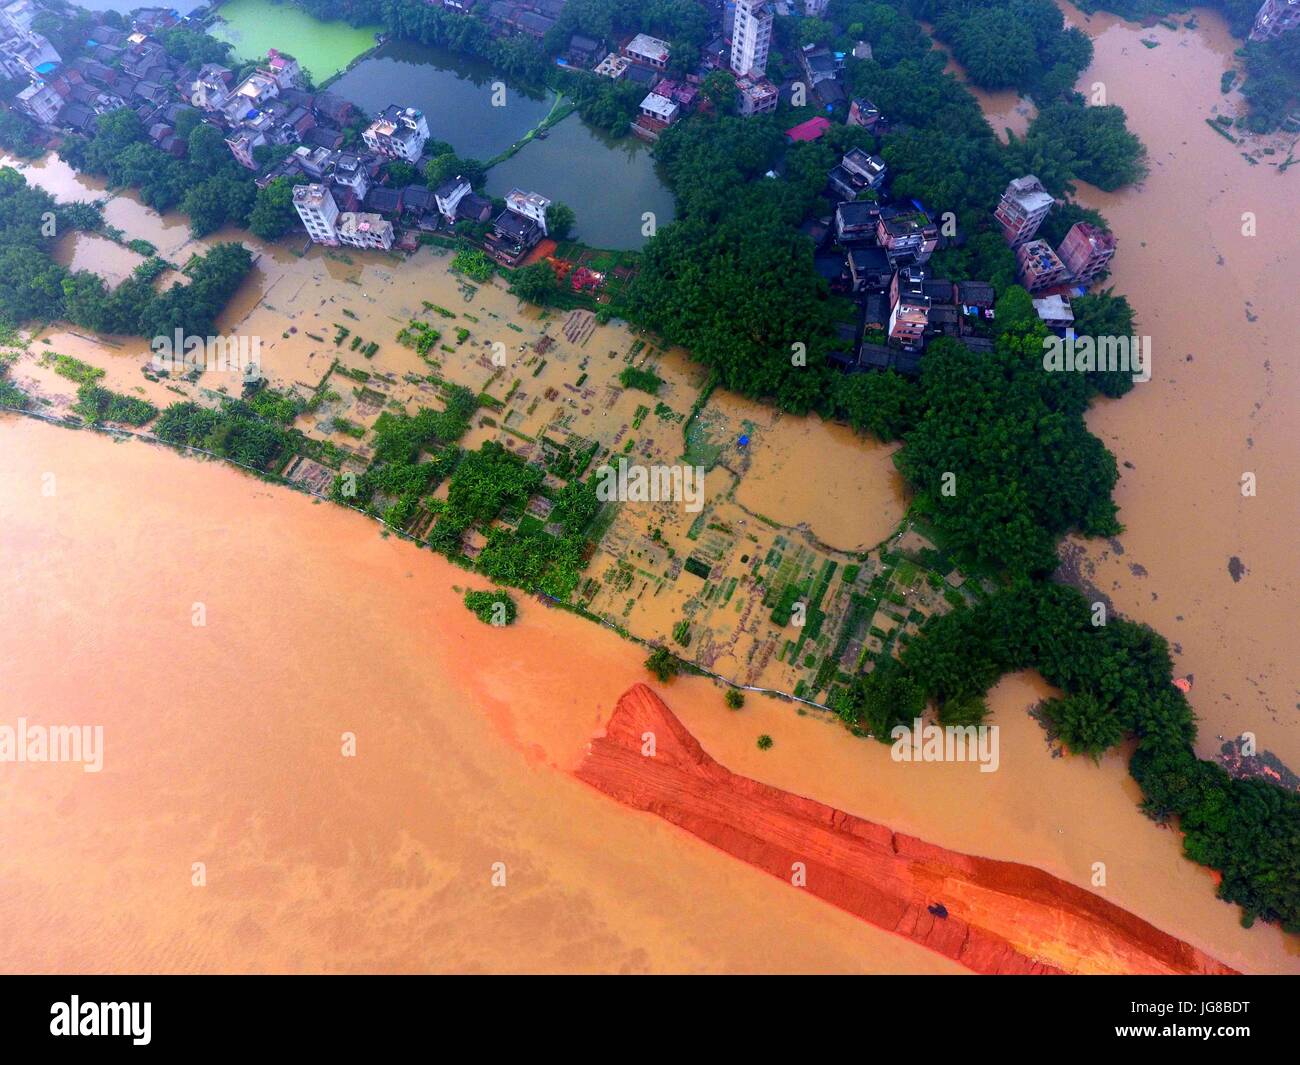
<point>1038,267</point>
<point>751,38</point>
<point>1023,207</point>
<point>1086,251</point>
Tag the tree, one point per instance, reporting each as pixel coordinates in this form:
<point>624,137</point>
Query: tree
<point>734,699</point>
<point>535,283</point>
<point>1085,724</point>
<point>719,88</point>
<point>449,165</point>
<point>273,214</point>
<point>663,665</point>
<point>559,220</point>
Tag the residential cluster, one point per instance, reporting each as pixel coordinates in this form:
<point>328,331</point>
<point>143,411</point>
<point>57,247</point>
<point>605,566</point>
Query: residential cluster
<point>877,251</point>
<point>1050,276</point>
<point>340,193</point>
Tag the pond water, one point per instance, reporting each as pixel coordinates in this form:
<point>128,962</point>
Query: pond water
<point>456,93</point>
<point>321,48</point>
<point>610,184</point>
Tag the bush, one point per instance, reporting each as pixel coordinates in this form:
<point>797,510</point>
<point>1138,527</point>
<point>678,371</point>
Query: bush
<point>663,665</point>
<point>491,608</point>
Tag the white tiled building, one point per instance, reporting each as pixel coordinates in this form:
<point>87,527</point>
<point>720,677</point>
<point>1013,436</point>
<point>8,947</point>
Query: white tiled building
<point>319,213</point>
<point>398,132</point>
<point>530,205</point>
<point>751,37</point>
<point>361,230</point>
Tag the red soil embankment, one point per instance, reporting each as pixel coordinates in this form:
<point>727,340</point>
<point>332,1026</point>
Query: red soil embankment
<point>1002,917</point>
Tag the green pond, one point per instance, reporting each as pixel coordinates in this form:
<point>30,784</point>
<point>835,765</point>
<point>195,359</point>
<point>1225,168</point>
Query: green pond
<point>321,48</point>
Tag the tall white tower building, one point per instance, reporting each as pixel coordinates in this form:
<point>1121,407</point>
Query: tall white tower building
<point>318,211</point>
<point>751,37</point>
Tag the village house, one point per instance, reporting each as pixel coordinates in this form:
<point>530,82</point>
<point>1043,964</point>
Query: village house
<point>647,51</point>
<point>863,113</point>
<point>857,173</point>
<point>1021,210</point>
<point>24,53</point>
<point>398,132</point>
<point>1086,252</point>
<point>1038,266</point>
<point>612,66</point>
<point>360,230</point>
<point>1055,311</point>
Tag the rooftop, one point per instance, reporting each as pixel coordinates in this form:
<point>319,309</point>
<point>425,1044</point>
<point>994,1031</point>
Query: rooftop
<point>810,130</point>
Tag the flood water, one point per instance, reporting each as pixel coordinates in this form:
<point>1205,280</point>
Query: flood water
<point>454,91</point>
<point>223,746</point>
<point>1224,401</point>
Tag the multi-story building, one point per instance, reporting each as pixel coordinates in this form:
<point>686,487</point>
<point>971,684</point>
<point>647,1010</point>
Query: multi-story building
<point>1038,267</point>
<point>242,144</point>
<point>648,51</point>
<point>531,205</point>
<point>908,320</point>
<point>907,236</point>
<point>360,230</point>
<point>318,211</point>
<point>283,69</point>
<point>449,194</point>
<point>211,87</point>
<point>39,101</point>
<point>757,96</point>
<point>351,173</point>
<point>855,222</point>
<point>1274,18</point>
<point>857,172</point>
<point>1086,251</point>
<point>398,132</point>
<point>869,269</point>
<point>1023,207</point>
<point>751,38</point>
<point>815,8</point>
